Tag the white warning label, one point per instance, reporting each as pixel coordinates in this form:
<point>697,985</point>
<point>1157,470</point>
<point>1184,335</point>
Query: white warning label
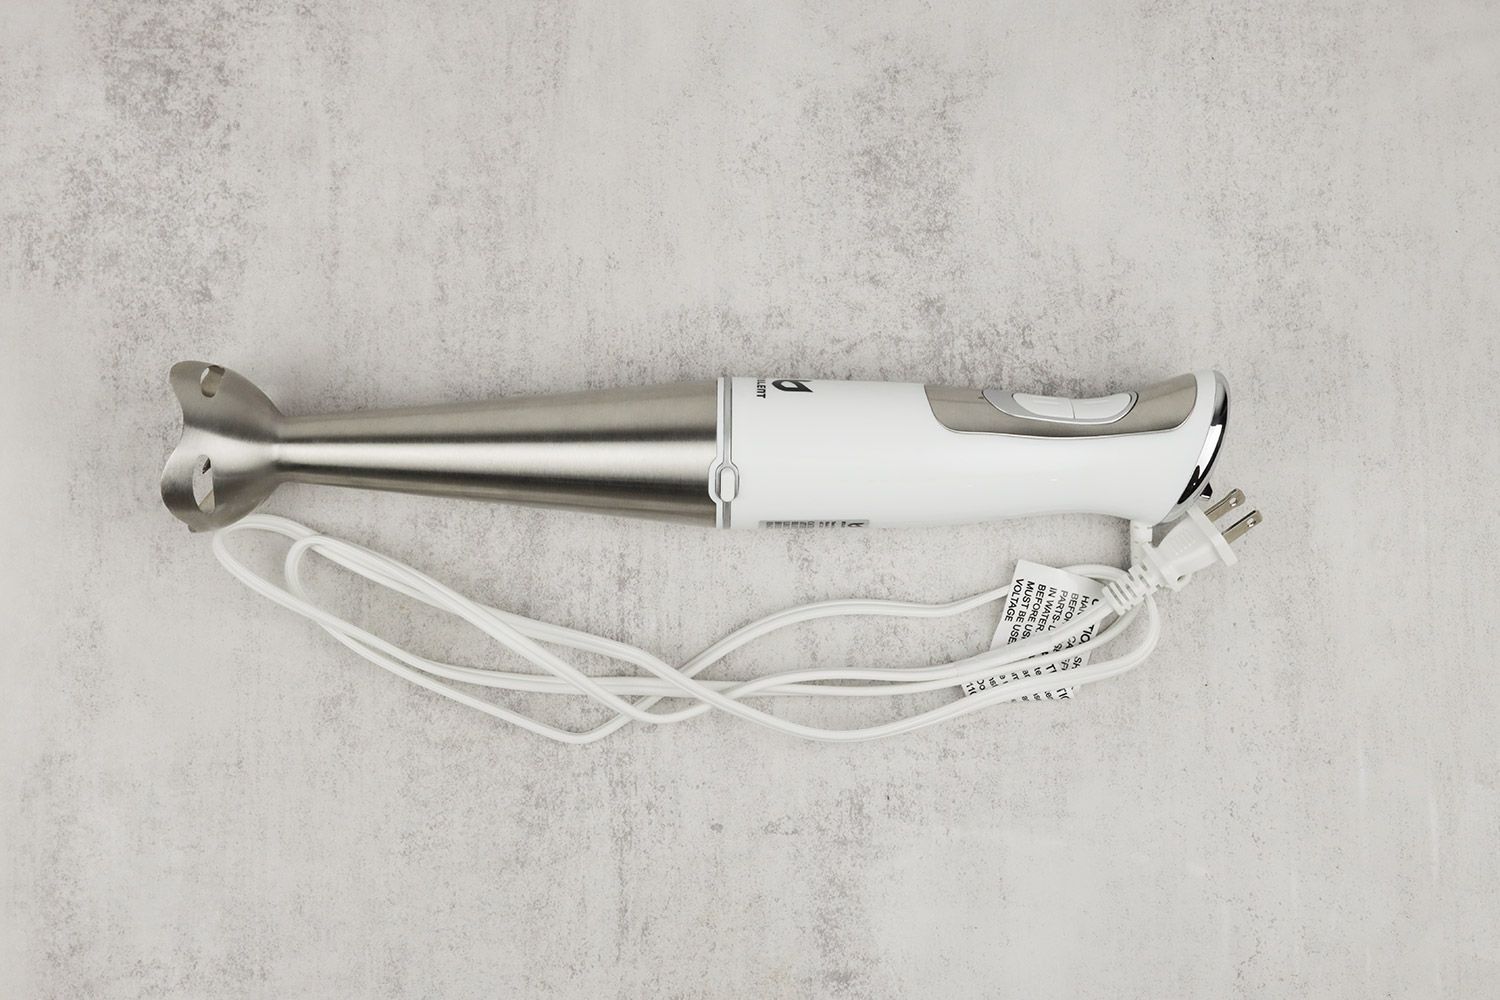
<point>1042,599</point>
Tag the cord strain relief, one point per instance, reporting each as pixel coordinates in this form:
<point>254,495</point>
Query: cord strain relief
<point>1122,595</point>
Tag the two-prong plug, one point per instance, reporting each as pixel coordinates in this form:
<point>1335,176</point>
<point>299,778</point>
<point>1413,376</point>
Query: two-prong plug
<point>1195,542</point>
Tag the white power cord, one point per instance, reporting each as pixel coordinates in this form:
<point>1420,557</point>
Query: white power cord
<point>1192,544</point>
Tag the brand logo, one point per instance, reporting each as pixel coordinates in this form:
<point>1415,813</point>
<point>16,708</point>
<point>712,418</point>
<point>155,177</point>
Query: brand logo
<point>784,384</point>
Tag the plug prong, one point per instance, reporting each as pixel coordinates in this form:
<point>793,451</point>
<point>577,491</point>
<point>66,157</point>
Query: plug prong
<point>1231,500</point>
<point>1237,530</point>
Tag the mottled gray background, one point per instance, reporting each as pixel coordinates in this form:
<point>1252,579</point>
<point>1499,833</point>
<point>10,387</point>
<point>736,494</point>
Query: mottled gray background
<point>381,203</point>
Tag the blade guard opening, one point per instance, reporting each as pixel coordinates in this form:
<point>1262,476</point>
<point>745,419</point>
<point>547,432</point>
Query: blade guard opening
<point>224,465</point>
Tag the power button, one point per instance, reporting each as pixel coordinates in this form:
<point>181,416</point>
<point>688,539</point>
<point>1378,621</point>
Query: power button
<point>1103,408</point>
<point>1058,409</point>
<point>1051,407</point>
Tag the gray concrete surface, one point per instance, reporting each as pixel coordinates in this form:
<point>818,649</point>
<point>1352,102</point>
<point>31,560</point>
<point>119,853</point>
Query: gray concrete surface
<point>390,202</point>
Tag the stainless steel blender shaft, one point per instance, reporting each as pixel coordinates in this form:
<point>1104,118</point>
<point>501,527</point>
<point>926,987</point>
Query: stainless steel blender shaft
<point>644,451</point>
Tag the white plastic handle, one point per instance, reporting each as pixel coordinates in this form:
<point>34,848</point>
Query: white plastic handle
<point>875,454</point>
